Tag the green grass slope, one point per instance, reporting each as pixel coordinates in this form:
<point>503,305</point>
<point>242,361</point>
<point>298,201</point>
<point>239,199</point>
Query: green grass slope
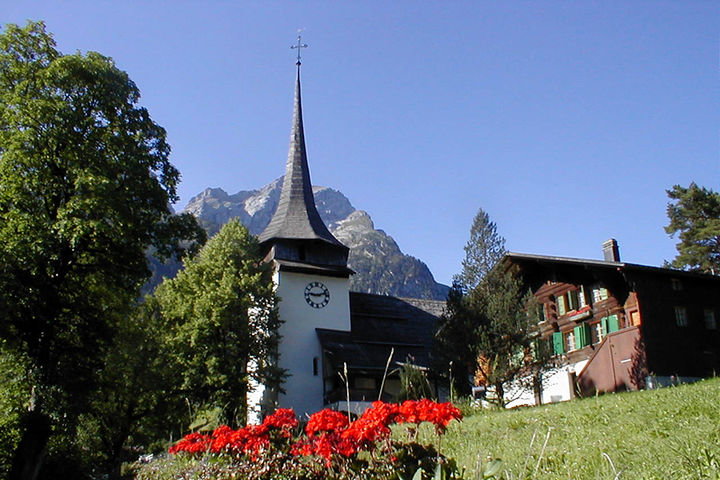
<point>672,433</point>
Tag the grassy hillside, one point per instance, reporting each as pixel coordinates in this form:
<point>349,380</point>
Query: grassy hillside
<point>673,433</point>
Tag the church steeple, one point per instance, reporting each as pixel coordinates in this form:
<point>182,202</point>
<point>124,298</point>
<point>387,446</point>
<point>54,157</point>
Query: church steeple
<point>296,226</point>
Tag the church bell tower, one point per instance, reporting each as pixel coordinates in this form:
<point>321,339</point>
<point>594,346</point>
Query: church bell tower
<point>311,275</point>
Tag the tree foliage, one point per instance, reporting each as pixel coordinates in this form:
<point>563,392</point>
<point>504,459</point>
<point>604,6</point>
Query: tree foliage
<point>511,356</point>
<point>482,251</point>
<point>85,189</point>
<point>488,330</point>
<point>138,405</point>
<point>222,320</point>
<point>694,215</point>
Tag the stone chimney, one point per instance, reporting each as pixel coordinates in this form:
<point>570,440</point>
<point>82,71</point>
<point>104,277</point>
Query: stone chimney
<point>611,251</point>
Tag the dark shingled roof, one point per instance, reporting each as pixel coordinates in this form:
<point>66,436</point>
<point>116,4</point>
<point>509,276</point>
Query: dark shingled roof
<point>296,216</point>
<point>379,323</point>
<point>585,262</point>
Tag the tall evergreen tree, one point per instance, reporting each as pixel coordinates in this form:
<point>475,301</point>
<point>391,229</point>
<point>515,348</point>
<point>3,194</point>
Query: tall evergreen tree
<point>457,340</point>
<point>85,184</point>
<point>221,314</point>
<point>694,215</point>
<point>489,331</point>
<point>482,251</point>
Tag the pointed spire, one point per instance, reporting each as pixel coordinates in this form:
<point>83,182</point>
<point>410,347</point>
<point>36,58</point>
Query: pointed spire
<point>296,217</point>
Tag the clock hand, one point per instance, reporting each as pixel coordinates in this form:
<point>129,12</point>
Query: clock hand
<point>316,294</point>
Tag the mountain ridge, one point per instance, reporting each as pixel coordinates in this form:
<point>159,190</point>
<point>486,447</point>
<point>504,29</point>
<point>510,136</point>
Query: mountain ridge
<point>380,265</point>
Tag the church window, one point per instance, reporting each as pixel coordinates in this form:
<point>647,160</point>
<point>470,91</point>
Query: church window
<point>365,383</point>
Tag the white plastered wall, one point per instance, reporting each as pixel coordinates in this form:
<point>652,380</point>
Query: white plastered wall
<point>299,343</point>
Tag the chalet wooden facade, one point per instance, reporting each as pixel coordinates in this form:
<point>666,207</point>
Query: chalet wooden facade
<point>621,326</point>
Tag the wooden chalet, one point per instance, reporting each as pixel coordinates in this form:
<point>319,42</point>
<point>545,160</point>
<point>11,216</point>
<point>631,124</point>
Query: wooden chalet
<point>621,326</point>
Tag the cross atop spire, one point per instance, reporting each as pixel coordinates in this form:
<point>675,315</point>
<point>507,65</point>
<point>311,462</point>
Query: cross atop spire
<point>299,46</point>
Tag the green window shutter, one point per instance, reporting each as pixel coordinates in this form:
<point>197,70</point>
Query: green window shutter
<point>604,322</point>
<point>613,324</point>
<point>558,343</point>
<point>582,335</point>
<point>578,337</point>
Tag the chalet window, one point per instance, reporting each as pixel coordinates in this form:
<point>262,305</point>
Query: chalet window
<point>582,335</point>
<point>573,300</point>
<point>570,342</point>
<point>681,318</point>
<point>676,284</point>
<point>541,313</point>
<point>599,294</point>
<point>597,332</point>
<point>710,322</point>
<point>561,302</point>
<point>558,343</point>
<point>583,299</point>
<point>609,324</point>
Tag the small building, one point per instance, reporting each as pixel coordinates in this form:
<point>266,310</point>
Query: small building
<point>621,326</point>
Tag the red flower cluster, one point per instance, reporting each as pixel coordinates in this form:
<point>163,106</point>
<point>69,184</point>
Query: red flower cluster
<point>418,411</point>
<point>326,421</point>
<point>251,440</point>
<point>192,443</point>
<point>283,421</point>
<point>327,433</point>
<point>373,425</point>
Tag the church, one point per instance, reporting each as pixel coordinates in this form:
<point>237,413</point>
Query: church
<point>340,349</point>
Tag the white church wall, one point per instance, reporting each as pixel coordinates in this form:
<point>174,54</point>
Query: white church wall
<point>299,344</point>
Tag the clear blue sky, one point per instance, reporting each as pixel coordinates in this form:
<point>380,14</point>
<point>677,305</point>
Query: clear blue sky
<point>566,121</point>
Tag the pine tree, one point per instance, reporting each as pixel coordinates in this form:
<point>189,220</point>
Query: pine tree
<point>695,217</point>
<point>489,330</point>
<point>482,251</point>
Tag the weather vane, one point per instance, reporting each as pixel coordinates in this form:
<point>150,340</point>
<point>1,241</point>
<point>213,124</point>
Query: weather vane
<point>299,46</point>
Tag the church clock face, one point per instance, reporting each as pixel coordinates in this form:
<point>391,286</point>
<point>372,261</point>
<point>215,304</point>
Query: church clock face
<point>317,295</point>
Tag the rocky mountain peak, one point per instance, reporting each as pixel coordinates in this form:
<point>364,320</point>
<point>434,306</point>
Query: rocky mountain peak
<point>380,266</point>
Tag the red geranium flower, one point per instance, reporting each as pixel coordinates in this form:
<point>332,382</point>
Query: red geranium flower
<point>326,421</point>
